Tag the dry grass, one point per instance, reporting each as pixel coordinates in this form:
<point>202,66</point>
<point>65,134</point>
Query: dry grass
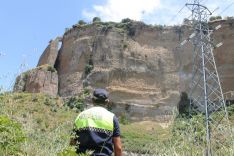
<point>178,139</point>
<point>48,124</point>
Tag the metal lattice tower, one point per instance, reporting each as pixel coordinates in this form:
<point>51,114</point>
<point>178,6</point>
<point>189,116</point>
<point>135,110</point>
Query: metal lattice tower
<point>206,97</point>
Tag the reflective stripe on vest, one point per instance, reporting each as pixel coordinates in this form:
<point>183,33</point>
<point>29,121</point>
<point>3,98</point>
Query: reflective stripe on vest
<point>96,117</point>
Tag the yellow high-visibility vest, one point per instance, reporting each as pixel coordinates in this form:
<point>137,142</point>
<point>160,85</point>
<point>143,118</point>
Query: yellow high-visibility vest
<point>97,119</point>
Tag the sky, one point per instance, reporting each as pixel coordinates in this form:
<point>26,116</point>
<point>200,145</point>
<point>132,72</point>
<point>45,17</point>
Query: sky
<point>27,26</point>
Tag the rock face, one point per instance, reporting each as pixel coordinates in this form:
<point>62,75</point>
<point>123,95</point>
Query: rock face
<point>139,65</point>
<point>138,73</point>
<point>20,83</point>
<point>39,80</point>
<point>224,54</point>
<point>50,54</point>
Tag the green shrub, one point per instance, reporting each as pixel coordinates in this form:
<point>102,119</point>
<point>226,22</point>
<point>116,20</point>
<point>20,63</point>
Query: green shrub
<point>126,20</point>
<point>125,45</point>
<point>88,69</point>
<point>11,136</point>
<point>124,119</point>
<point>25,75</point>
<point>89,66</point>
<point>51,69</point>
<point>86,92</point>
<point>70,151</point>
<point>212,18</point>
<point>81,22</point>
<point>76,103</point>
<point>96,19</point>
<point>131,29</point>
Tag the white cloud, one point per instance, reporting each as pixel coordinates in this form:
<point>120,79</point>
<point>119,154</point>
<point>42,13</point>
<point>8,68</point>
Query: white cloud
<point>89,15</point>
<point>152,11</point>
<point>115,10</point>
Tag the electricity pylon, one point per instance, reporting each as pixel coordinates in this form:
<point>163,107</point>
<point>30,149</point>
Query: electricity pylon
<point>206,96</point>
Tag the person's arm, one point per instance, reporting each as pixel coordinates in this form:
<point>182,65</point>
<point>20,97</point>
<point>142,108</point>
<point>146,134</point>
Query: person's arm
<point>117,146</point>
<point>116,138</point>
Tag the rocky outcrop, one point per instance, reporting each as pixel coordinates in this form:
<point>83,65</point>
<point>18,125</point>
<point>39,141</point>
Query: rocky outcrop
<point>20,83</point>
<point>136,66</point>
<point>43,79</point>
<point>50,54</point>
<point>224,54</point>
<point>140,65</point>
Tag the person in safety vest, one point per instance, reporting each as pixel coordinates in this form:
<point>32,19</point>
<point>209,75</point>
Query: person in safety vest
<point>96,129</point>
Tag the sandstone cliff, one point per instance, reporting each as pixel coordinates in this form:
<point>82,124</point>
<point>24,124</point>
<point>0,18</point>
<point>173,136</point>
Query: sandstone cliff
<point>138,64</point>
<point>43,79</point>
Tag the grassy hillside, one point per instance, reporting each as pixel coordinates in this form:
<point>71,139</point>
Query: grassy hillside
<point>44,125</point>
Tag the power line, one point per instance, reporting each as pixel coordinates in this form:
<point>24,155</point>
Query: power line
<point>215,10</point>
<point>226,8</point>
<point>173,17</point>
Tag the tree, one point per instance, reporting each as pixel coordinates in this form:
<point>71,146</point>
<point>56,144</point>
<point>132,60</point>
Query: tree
<point>212,18</point>
<point>126,20</point>
<point>96,19</point>
<point>81,22</point>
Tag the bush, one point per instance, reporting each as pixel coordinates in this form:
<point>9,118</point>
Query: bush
<point>51,69</point>
<point>81,22</point>
<point>129,27</point>
<point>89,66</point>
<point>96,19</point>
<point>212,18</point>
<point>11,136</point>
<point>124,119</point>
<point>76,102</point>
<point>126,20</point>
<point>183,106</point>
<point>125,45</point>
<point>88,69</point>
<point>70,151</point>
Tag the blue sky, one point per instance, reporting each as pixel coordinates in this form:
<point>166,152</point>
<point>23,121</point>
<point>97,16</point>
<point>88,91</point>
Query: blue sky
<point>27,26</point>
